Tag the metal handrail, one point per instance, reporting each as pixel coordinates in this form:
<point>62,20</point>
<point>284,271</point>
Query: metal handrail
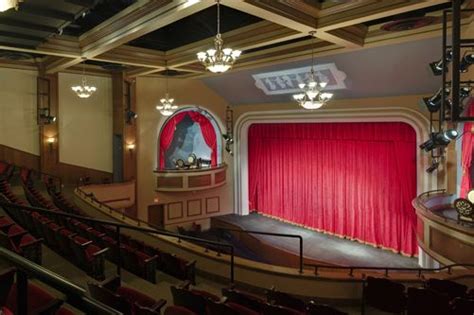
<point>299,237</point>
<point>420,271</point>
<point>76,295</point>
<point>111,210</point>
<point>119,226</point>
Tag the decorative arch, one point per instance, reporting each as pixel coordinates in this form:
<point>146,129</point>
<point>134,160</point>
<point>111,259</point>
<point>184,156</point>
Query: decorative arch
<point>415,119</point>
<point>207,126</point>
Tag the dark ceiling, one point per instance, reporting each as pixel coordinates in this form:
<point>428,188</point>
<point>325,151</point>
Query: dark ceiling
<point>36,20</point>
<point>198,26</point>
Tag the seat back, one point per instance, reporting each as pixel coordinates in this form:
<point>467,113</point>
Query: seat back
<point>385,295</point>
<point>218,308</point>
<point>321,309</point>
<point>178,310</point>
<point>244,298</point>
<point>285,299</point>
<point>451,288</point>
<point>6,281</point>
<point>427,301</point>
<point>184,297</point>
<point>109,298</point>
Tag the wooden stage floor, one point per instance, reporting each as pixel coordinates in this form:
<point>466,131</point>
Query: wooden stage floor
<point>317,246</point>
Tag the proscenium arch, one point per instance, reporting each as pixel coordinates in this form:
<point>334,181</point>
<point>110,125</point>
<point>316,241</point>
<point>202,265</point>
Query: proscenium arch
<point>216,123</point>
<point>416,120</point>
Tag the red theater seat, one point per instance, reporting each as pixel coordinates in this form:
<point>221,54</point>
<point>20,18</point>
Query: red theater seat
<point>178,310</point>
<point>39,301</point>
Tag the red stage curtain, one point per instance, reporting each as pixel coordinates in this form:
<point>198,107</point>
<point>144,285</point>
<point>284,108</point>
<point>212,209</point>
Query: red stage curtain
<point>466,153</point>
<point>166,136</point>
<point>208,132</point>
<point>350,179</point>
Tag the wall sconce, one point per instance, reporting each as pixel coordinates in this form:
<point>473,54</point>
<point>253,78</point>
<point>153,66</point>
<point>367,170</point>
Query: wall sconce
<point>130,147</point>
<point>51,141</point>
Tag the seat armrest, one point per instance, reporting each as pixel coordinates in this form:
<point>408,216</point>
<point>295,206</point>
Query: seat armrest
<point>191,263</point>
<point>155,257</point>
<point>100,252</point>
<point>158,305</point>
<point>185,284</point>
<point>85,244</point>
<point>112,283</point>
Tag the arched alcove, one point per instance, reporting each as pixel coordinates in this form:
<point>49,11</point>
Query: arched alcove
<point>189,131</point>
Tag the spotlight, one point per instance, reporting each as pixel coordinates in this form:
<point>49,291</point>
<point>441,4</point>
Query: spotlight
<point>434,166</point>
<point>439,139</point>
<point>130,116</point>
<point>45,118</point>
<point>433,103</point>
<point>437,66</point>
<point>466,61</point>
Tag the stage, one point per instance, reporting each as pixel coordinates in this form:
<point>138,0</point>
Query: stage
<point>317,247</point>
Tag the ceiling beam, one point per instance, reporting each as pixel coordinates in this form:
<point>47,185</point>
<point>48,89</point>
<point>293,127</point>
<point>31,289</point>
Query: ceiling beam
<point>27,25</point>
<point>143,17</point>
<point>37,10</point>
<point>134,56</point>
<point>263,33</point>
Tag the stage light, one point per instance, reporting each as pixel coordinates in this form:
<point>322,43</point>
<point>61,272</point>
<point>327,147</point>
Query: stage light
<point>439,139</point>
<point>437,66</point>
<point>434,166</point>
<point>433,103</point>
<point>466,61</point>
<point>130,116</point>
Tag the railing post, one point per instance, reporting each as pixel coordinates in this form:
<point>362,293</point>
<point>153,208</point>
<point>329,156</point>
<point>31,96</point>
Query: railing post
<point>301,254</point>
<point>22,292</point>
<point>351,272</point>
<point>119,259</point>
<point>386,272</point>
<point>316,270</point>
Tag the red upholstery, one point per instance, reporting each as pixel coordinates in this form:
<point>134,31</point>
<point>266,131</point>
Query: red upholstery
<point>15,229</point>
<point>90,251</point>
<point>37,298</point>
<point>179,310</point>
<point>134,296</point>
<point>80,240</point>
<point>242,310</point>
<point>3,167</point>
<point>64,311</point>
<point>5,221</point>
<point>141,258</point>
<point>5,311</point>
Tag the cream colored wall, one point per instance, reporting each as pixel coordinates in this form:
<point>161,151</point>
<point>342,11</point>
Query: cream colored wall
<point>18,128</point>
<point>185,92</point>
<point>85,125</point>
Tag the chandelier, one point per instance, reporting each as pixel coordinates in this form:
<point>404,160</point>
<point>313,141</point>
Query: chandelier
<point>218,59</point>
<point>312,95</point>
<point>9,4</point>
<point>84,90</point>
<point>167,107</point>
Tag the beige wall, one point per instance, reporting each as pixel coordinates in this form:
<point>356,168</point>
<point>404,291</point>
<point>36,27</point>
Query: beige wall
<point>186,93</point>
<point>18,128</point>
<point>85,125</point>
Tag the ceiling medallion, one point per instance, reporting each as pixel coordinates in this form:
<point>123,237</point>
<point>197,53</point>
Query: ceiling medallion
<point>312,95</point>
<point>218,59</point>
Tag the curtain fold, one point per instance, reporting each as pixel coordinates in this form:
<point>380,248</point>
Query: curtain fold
<point>466,153</point>
<point>166,136</point>
<point>208,133</point>
<point>355,180</point>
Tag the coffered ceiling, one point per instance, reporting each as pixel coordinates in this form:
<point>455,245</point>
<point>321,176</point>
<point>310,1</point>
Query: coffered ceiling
<point>144,37</point>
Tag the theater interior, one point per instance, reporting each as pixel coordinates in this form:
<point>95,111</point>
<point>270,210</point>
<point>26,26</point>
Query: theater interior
<point>242,157</point>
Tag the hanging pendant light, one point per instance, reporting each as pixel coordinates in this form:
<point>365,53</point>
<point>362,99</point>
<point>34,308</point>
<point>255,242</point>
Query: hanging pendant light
<point>312,95</point>
<point>9,4</point>
<point>167,107</point>
<point>218,59</point>
<point>84,90</point>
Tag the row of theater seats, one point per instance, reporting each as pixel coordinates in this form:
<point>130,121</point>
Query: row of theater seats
<point>135,256</point>
<point>439,297</point>
<point>39,300</point>
<point>188,300</point>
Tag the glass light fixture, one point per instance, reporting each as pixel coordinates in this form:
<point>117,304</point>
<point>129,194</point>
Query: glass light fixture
<point>167,106</point>
<point>218,59</point>
<point>9,4</point>
<point>312,95</point>
<point>84,90</point>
